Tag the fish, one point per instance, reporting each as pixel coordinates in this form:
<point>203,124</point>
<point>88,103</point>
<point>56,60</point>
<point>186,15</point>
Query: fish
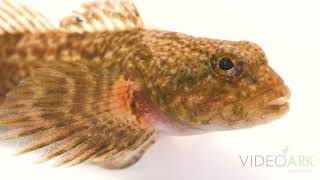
<point>102,86</point>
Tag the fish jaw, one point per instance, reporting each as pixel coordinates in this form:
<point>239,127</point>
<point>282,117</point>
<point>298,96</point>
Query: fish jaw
<point>262,109</point>
<point>256,100</point>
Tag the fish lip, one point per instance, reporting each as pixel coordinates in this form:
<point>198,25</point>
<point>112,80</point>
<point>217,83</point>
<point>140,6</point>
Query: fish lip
<point>261,109</point>
<point>279,101</point>
<point>278,96</point>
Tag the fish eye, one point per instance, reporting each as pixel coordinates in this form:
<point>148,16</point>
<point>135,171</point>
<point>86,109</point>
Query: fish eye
<point>225,63</point>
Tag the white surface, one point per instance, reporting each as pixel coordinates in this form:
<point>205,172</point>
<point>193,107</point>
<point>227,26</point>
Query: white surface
<point>288,30</point>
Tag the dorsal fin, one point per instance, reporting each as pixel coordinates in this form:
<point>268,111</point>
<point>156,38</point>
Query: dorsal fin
<point>16,18</point>
<point>103,15</point>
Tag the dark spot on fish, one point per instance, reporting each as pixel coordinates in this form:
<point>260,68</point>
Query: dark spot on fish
<point>78,19</point>
<point>184,80</point>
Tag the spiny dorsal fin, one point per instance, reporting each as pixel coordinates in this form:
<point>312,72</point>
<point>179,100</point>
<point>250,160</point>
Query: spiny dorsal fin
<point>103,15</point>
<point>16,18</point>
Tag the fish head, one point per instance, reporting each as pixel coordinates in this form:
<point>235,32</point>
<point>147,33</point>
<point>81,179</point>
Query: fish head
<point>217,85</point>
<point>245,90</point>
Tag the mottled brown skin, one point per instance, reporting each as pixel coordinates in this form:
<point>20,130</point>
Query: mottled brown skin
<point>180,73</point>
<point>105,97</point>
<point>186,82</point>
<point>102,87</point>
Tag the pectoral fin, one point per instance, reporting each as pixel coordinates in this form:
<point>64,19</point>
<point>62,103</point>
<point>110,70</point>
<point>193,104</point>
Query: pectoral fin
<point>128,158</point>
<point>83,113</point>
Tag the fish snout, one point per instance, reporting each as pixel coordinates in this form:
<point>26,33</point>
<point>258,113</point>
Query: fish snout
<point>268,77</point>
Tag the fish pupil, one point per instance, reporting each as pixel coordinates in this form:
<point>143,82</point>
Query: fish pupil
<point>226,63</point>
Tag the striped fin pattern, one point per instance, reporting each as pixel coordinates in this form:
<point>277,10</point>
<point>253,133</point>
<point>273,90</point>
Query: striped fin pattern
<point>82,113</point>
<point>103,15</point>
<point>16,18</point>
<point>127,158</point>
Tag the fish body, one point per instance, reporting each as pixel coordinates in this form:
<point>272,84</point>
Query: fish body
<point>105,93</point>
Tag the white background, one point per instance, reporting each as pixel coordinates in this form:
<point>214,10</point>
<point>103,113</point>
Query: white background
<point>288,30</point>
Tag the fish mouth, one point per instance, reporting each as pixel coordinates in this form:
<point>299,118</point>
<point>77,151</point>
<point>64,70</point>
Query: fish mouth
<point>279,98</point>
<point>280,105</point>
<point>262,109</point>
<point>271,105</point>
<point>281,101</point>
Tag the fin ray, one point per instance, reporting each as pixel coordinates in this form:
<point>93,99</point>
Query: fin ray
<point>16,18</point>
<point>46,138</point>
<point>93,119</point>
<point>103,15</point>
<point>63,147</point>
